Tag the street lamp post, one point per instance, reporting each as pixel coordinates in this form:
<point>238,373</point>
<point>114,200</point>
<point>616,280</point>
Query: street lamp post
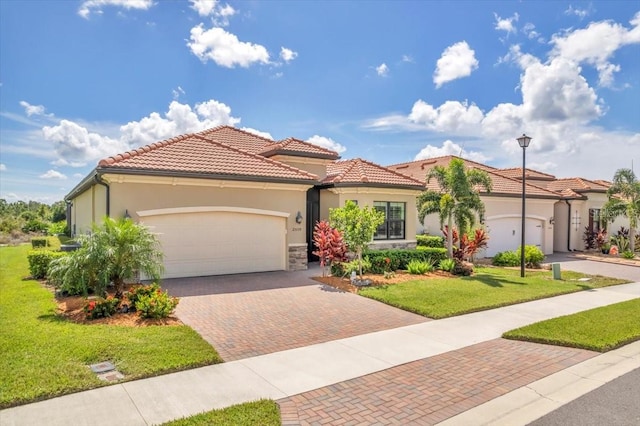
<point>523,141</point>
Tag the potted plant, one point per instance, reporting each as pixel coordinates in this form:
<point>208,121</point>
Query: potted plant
<point>605,248</point>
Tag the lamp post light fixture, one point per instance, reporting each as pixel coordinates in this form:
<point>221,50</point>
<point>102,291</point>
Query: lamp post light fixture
<point>523,141</point>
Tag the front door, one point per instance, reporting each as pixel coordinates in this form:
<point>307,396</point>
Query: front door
<point>313,216</point>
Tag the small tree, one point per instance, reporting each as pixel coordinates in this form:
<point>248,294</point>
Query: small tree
<point>357,225</point>
<point>330,246</point>
<point>624,200</point>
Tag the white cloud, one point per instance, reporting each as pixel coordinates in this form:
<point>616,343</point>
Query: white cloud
<point>3,168</point>
<point>530,31</point>
<point>407,58</point>
<point>203,7</point>
<point>327,143</point>
<point>32,109</point>
<point>506,24</point>
<point>558,92</point>
<point>580,13</point>
<point>287,55</point>
<point>53,174</point>
<point>177,92</point>
<point>457,61</point>
<point>180,119</point>
<point>266,135</point>
<point>382,70</point>
<point>75,144</point>
<point>451,116</point>
<point>224,48</point>
<point>449,148</point>
<point>596,44</point>
<point>220,14</point>
<point>95,6</point>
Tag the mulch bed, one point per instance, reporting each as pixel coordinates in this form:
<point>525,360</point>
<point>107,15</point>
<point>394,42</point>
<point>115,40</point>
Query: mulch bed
<point>72,308</point>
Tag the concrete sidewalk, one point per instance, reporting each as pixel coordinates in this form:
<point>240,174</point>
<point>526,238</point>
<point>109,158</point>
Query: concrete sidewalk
<point>287,373</point>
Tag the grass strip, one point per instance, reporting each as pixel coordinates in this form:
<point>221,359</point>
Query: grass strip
<point>600,329</point>
<point>488,288</point>
<point>45,355</point>
<point>264,412</point>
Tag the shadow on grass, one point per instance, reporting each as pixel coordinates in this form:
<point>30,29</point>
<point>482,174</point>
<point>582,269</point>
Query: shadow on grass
<point>53,318</point>
<point>492,281</point>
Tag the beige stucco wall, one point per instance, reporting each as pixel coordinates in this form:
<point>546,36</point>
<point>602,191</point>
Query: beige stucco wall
<point>504,207</point>
<point>312,165</point>
<point>290,199</point>
<point>580,209</point>
<point>88,208</point>
<point>337,197</point>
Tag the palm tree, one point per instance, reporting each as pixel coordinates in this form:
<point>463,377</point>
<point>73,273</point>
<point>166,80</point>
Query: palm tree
<point>624,200</point>
<point>458,200</point>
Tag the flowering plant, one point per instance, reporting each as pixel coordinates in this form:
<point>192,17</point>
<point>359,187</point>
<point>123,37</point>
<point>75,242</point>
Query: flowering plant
<point>101,308</point>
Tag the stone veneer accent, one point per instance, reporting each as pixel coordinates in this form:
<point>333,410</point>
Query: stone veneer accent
<point>297,257</point>
<point>393,244</point>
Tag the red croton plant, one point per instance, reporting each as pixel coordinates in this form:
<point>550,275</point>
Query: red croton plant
<point>465,248</point>
<point>330,246</point>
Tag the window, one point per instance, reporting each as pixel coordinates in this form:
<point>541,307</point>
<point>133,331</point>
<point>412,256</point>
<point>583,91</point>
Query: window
<point>394,218</point>
<point>595,221</point>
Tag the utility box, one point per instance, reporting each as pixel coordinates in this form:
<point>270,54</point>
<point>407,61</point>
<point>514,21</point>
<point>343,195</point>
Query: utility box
<point>555,268</point>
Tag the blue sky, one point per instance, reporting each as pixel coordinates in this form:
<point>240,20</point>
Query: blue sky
<point>385,81</point>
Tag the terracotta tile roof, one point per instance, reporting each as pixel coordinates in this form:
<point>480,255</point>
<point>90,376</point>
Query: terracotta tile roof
<point>237,138</point>
<point>578,185</point>
<point>293,146</point>
<point>358,171</point>
<point>194,154</point>
<point>502,185</point>
<point>516,173</point>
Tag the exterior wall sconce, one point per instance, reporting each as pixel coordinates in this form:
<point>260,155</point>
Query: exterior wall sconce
<point>126,214</point>
<point>299,218</point>
<point>552,220</point>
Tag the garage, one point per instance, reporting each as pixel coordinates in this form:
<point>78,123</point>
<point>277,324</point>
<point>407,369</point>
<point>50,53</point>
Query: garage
<point>504,234</point>
<point>200,241</point>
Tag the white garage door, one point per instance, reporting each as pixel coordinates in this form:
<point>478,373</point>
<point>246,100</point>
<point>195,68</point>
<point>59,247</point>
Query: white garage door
<point>219,242</point>
<point>504,234</point>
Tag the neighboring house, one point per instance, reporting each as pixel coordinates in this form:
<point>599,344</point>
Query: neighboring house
<point>227,201</point>
<point>557,210</point>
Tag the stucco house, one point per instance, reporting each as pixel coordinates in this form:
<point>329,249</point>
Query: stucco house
<point>227,201</point>
<point>557,210</point>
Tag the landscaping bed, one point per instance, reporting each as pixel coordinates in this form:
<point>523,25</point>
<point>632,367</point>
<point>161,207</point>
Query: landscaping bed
<point>399,277</point>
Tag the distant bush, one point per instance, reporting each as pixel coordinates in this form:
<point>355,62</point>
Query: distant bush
<point>533,257</point>
<point>57,228</point>
<point>39,242</point>
<point>447,265</point>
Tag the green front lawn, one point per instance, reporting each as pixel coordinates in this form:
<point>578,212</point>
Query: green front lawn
<point>487,288</point>
<point>259,413</point>
<point>601,329</point>
<point>44,355</point>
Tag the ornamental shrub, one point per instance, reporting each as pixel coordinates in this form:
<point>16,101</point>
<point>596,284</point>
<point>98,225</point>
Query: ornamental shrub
<point>419,267</point>
<point>433,241</point>
<point>447,265</point>
<point>533,256</point>
<point>141,290</point>
<point>400,258</point>
<point>506,258</point>
<point>101,308</point>
<point>628,254</point>
<point>156,305</point>
<point>39,261</point>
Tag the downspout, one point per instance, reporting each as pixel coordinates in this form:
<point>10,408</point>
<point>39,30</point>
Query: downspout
<point>69,204</point>
<point>99,181</point>
<point>568,225</point>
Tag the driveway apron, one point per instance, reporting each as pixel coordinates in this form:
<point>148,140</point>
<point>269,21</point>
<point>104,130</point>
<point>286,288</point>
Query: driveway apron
<point>254,314</point>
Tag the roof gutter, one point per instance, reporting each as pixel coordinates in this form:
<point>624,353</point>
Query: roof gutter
<point>99,181</point>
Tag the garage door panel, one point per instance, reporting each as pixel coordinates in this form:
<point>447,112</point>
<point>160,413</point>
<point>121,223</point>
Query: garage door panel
<point>216,243</point>
<point>505,234</point>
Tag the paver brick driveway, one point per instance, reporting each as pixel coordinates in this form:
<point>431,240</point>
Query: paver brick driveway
<point>254,314</point>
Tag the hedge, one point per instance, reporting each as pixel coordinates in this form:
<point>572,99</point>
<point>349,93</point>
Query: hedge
<point>394,259</point>
<point>39,261</point>
<point>39,242</point>
<point>430,241</point>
